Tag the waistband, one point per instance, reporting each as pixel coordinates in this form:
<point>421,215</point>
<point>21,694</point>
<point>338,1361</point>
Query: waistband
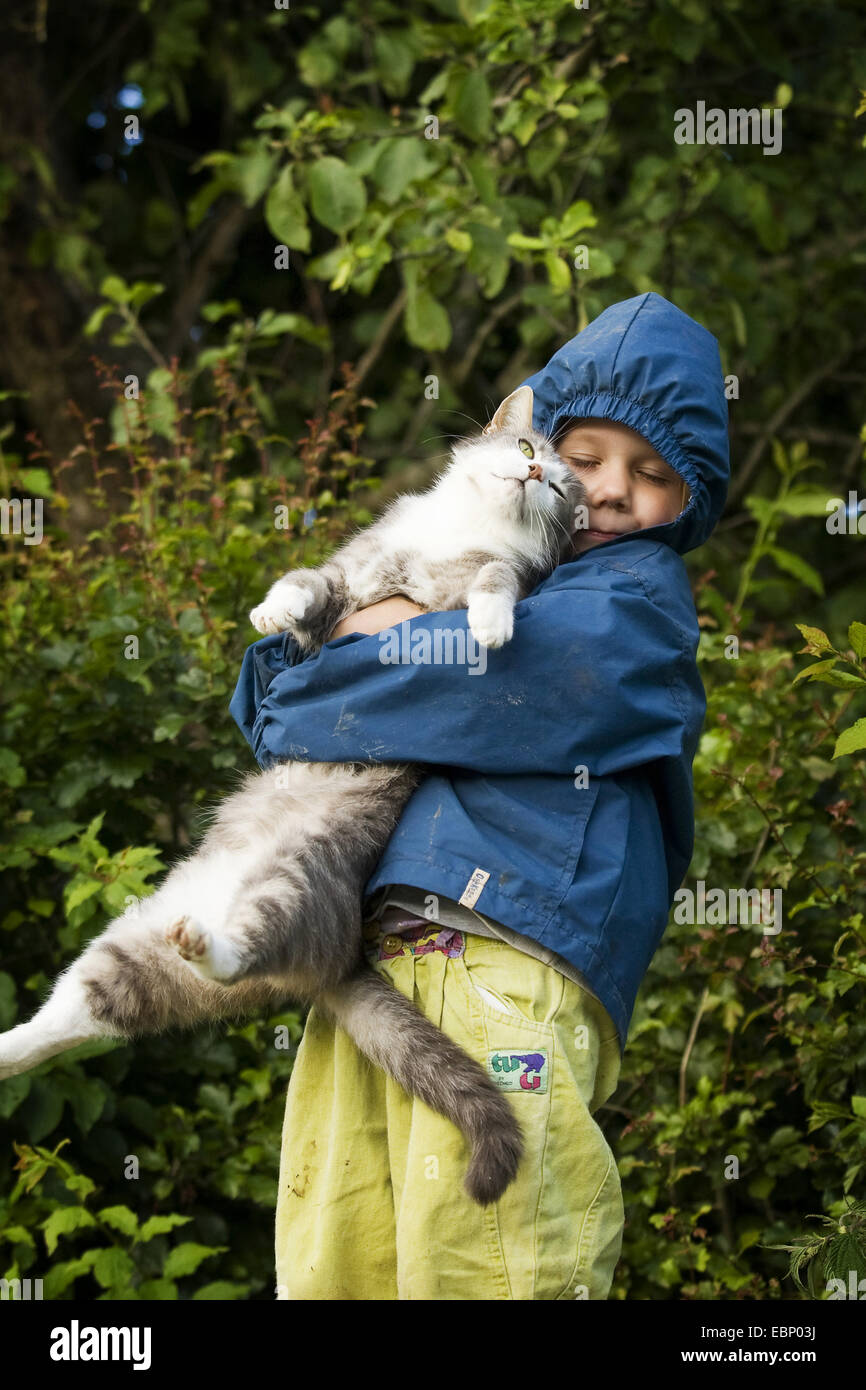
<point>399,933</point>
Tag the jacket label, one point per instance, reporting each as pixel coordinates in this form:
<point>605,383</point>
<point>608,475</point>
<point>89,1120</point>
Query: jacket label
<point>472,892</point>
<point>519,1071</point>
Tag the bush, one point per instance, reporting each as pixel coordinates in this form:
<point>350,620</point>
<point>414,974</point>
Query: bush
<point>121,654</point>
<point>150,1171</point>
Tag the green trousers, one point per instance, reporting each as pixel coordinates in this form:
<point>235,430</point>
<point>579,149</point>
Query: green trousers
<point>371,1200</point>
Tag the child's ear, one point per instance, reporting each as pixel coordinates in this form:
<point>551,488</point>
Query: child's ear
<point>514,413</point>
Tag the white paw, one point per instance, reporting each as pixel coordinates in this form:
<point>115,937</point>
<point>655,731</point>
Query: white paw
<point>491,619</point>
<point>14,1053</point>
<point>210,957</point>
<point>285,604</point>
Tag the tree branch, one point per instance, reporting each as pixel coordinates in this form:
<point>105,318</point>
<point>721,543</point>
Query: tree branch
<point>221,243</point>
<point>785,410</point>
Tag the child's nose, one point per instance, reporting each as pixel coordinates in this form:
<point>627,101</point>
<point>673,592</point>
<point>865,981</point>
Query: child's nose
<point>608,485</point>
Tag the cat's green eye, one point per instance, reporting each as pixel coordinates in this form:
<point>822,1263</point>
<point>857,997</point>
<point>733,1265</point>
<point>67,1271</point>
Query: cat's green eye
<point>526,448</point>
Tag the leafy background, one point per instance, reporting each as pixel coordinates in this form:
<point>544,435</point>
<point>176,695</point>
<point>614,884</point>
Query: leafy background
<point>420,280</point>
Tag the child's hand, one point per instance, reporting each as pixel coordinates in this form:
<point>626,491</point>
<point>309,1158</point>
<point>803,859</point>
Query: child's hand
<point>388,612</point>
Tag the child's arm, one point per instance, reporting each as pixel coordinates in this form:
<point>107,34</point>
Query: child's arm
<point>597,675</point>
<point>377,616</point>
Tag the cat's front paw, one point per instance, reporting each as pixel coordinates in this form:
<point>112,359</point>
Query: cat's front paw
<point>211,957</point>
<point>491,619</point>
<point>285,605</point>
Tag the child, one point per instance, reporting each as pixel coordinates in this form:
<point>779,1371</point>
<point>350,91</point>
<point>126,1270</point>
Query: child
<point>528,883</point>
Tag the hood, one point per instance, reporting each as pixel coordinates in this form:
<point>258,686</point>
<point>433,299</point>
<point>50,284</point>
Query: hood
<point>646,364</point>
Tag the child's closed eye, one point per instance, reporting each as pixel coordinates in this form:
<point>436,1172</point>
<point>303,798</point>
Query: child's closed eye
<point>657,478</point>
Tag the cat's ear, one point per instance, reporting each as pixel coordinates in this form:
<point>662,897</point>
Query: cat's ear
<point>514,413</point>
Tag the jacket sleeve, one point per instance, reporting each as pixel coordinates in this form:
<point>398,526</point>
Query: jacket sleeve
<point>597,675</point>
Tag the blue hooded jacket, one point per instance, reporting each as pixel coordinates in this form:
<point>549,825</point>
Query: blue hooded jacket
<point>599,675</point>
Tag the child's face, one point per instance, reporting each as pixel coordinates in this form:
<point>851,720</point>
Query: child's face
<point>628,485</point>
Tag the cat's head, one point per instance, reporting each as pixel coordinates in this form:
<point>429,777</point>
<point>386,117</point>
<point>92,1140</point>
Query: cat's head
<point>522,481</point>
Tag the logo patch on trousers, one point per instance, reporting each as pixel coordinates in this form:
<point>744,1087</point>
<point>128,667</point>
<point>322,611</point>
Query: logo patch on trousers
<point>519,1071</point>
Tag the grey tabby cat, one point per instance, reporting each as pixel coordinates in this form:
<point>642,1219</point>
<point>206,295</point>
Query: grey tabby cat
<point>269,906</point>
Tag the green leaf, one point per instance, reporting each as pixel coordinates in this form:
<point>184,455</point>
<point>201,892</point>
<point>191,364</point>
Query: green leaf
<point>159,1225</point>
<point>317,65</point>
<point>158,1289</point>
<point>113,1268</point>
<point>143,291</point>
<point>36,481</point>
<point>186,1258</point>
<point>558,273</point>
<point>87,1097</point>
<point>97,318</point>
<point>12,773</point>
<point>458,240</point>
<point>803,504</point>
<point>483,177</point>
<point>42,1109</point>
<point>851,740</point>
<point>472,105</point>
<point>286,214</point>
<point>13,1092</point>
<point>525,243</point>
<point>17,1235</point>
<point>797,566</point>
<point>216,309</point>
<point>337,195</point>
<point>60,1276</point>
<point>857,638</point>
<point>576,217</point>
<point>252,174</point>
<point>843,680</point>
<point>79,891</point>
<point>94,1047</point>
<point>600,266</point>
<point>114,288</point>
<point>169,727</point>
<point>816,669</point>
<point>63,1222</point>
<point>394,61</point>
<point>221,1289</point>
<point>817,640</point>
<point>400,161</point>
<point>427,323</point>
<point>120,1219</point>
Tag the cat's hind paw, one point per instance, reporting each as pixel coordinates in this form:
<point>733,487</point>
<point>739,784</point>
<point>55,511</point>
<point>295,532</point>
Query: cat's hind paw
<point>209,956</point>
<point>14,1058</point>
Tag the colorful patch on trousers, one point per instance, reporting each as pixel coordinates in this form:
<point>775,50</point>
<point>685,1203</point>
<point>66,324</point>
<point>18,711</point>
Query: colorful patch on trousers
<point>519,1071</point>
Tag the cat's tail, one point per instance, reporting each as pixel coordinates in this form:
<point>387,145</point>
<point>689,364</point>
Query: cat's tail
<point>389,1030</point>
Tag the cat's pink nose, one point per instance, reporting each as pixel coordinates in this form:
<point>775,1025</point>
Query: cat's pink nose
<point>535,472</point>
